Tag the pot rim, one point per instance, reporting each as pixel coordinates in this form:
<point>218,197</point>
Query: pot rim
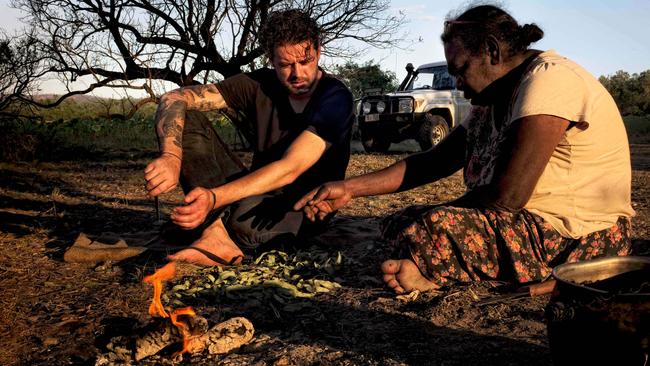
<point>576,273</point>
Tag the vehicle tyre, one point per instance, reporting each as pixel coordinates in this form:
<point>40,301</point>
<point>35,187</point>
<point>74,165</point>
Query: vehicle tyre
<point>374,144</point>
<point>433,130</point>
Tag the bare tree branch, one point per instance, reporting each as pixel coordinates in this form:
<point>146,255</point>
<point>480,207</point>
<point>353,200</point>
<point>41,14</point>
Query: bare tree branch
<point>184,42</point>
<point>20,66</point>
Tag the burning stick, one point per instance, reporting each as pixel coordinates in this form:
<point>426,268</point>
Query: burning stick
<point>156,308</point>
<point>220,339</point>
<point>160,334</point>
<point>194,333</point>
<point>184,328</point>
<point>538,289</point>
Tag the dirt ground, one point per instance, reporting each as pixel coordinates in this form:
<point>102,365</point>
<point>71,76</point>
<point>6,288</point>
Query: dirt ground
<point>56,313</point>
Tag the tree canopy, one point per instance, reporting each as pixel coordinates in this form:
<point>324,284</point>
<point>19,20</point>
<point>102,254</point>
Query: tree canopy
<point>361,78</point>
<point>20,66</point>
<point>631,92</point>
<point>117,42</point>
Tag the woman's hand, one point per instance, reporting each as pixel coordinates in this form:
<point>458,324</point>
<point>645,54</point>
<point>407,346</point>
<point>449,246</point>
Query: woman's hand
<point>324,200</point>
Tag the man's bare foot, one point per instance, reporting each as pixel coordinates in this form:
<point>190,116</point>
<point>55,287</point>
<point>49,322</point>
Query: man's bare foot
<point>402,275</point>
<point>213,248</point>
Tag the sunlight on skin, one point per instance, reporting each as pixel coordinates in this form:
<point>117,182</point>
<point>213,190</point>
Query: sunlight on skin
<point>403,275</point>
<point>296,67</point>
<point>215,240</point>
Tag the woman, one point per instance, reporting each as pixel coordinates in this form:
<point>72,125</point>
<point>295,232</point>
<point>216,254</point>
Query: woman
<point>545,159</point>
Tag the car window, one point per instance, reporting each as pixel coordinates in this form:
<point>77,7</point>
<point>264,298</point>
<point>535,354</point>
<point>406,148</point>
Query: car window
<point>437,78</point>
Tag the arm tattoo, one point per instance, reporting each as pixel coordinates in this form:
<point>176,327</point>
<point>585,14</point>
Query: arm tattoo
<point>203,97</point>
<point>172,128</point>
<point>171,110</point>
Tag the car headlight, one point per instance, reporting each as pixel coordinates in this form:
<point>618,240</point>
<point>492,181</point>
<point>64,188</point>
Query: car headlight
<point>366,107</point>
<point>405,106</point>
<point>381,107</point>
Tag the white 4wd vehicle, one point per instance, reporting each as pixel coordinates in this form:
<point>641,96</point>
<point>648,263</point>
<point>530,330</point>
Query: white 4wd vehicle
<point>425,107</point>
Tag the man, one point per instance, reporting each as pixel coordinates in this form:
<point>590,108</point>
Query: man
<point>299,120</point>
<point>546,163</point>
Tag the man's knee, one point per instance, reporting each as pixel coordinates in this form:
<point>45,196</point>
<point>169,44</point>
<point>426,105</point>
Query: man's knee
<point>196,137</point>
<point>249,237</point>
<point>196,122</point>
<point>243,233</point>
<point>259,220</point>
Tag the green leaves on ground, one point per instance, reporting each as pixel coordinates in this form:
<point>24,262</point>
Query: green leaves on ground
<point>274,278</point>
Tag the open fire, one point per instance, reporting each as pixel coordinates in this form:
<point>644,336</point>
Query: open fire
<point>196,335</point>
<point>156,308</point>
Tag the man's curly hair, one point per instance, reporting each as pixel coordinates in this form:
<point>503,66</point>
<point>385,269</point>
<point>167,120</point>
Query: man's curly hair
<point>291,27</point>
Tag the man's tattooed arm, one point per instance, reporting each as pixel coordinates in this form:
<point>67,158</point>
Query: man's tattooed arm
<point>170,115</point>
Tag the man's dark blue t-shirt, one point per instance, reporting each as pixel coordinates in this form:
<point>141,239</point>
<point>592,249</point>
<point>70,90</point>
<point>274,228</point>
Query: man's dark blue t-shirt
<point>273,124</point>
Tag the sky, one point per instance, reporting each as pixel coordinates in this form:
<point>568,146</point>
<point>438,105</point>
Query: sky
<point>603,36</point>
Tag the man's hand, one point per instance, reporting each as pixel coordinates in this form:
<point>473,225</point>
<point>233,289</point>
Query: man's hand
<point>199,202</point>
<point>162,174</point>
<point>324,200</point>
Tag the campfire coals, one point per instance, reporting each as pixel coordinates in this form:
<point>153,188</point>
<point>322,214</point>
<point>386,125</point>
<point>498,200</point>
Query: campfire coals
<point>156,308</point>
<point>162,334</point>
<point>184,327</point>
<point>160,338</point>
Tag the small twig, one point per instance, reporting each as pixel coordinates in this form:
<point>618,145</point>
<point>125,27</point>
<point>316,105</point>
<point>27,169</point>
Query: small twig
<point>452,295</point>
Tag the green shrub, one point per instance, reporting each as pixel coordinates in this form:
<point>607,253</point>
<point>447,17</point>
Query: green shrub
<point>638,129</point>
<point>25,139</point>
<point>80,138</point>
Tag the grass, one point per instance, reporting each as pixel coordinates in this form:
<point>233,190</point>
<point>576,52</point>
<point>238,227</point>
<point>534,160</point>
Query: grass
<point>86,138</point>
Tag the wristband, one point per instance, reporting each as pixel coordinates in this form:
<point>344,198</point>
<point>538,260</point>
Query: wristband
<point>214,199</point>
<point>172,154</point>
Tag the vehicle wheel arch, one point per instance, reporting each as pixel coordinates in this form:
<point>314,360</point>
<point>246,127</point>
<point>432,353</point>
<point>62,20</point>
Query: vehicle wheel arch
<point>444,113</point>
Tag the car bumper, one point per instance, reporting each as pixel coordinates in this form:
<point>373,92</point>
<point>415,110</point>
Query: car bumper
<point>392,119</point>
<point>394,125</point>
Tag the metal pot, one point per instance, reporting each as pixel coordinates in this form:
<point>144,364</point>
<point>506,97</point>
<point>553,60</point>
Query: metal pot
<point>599,313</point>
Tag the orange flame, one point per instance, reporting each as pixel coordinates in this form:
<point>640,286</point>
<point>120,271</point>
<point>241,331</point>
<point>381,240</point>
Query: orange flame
<point>156,308</point>
<point>185,330</point>
<point>168,271</point>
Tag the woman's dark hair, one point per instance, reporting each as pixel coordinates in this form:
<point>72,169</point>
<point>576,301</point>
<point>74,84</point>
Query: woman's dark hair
<point>291,26</point>
<point>474,25</point>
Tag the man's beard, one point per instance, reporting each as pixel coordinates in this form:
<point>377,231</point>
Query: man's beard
<point>306,88</point>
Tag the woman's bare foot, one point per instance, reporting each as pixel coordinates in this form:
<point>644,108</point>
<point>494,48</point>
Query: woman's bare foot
<point>213,248</point>
<point>402,275</point>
